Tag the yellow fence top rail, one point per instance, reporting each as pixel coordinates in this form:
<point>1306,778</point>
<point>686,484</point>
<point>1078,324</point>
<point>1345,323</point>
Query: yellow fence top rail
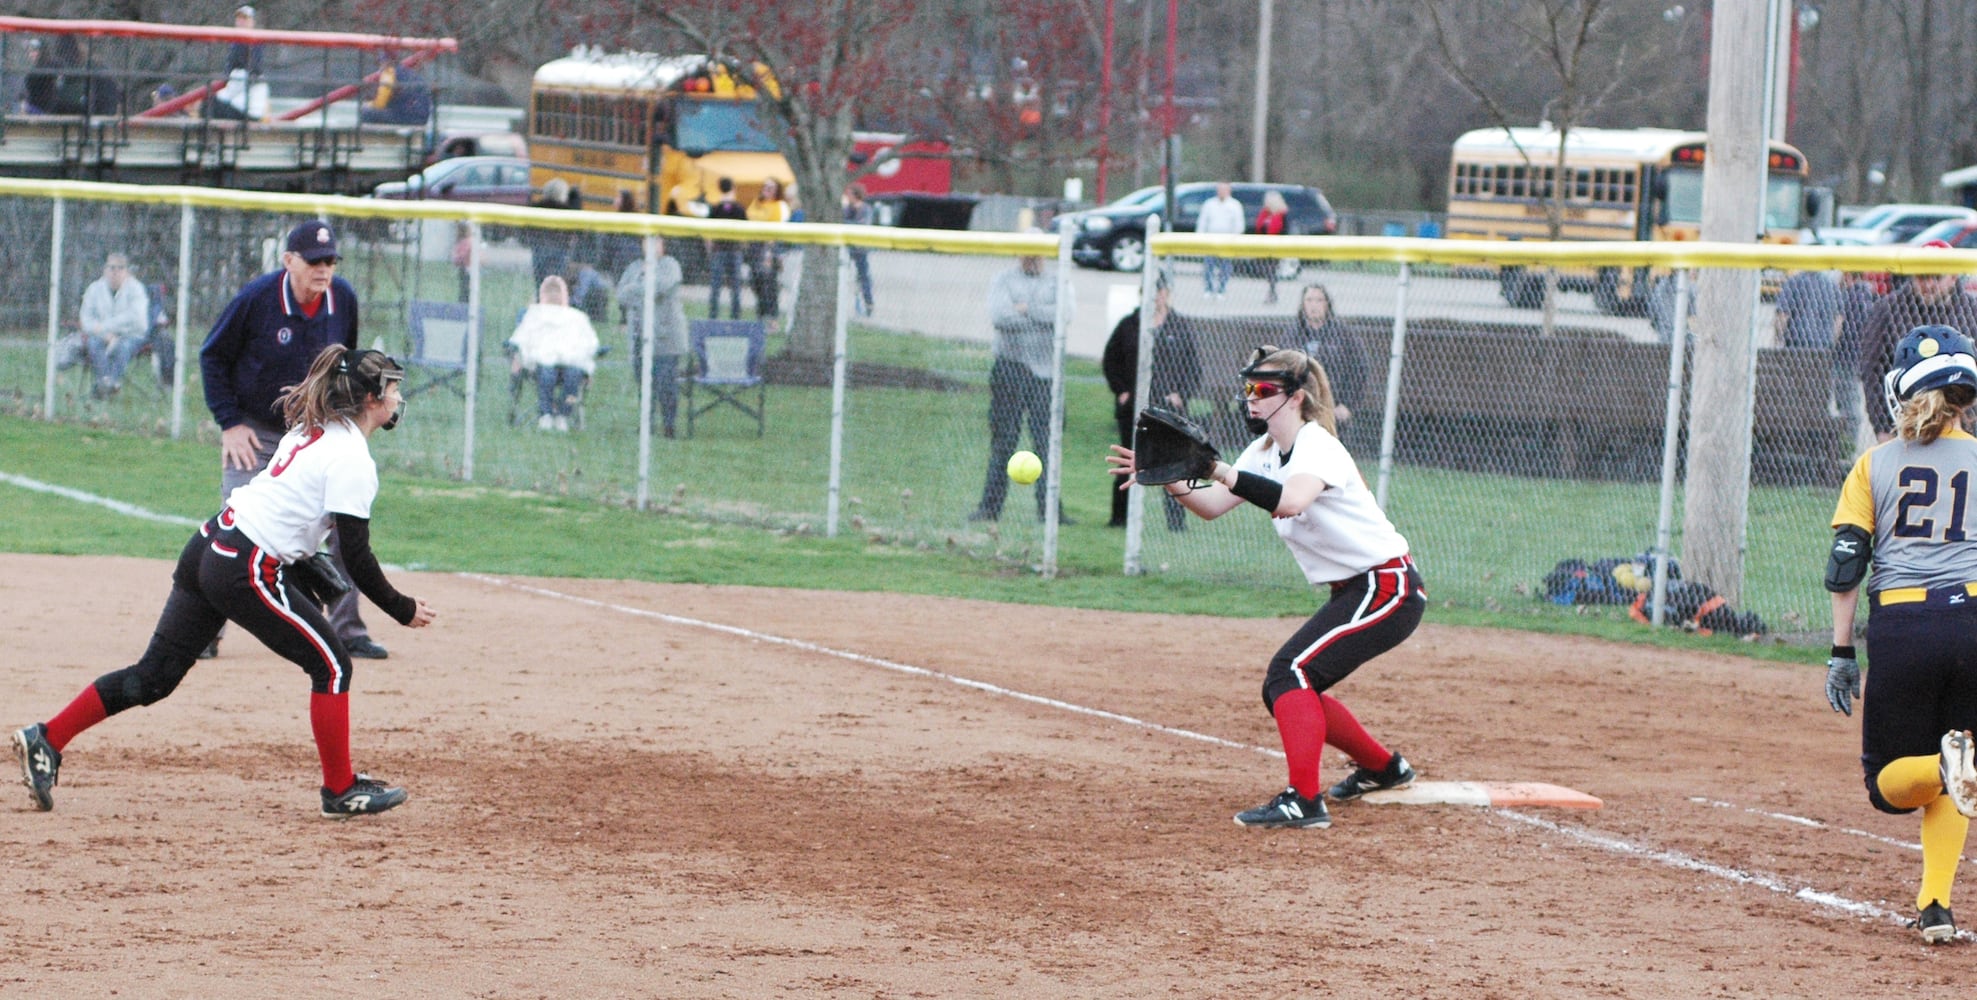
<point>1900,259</point>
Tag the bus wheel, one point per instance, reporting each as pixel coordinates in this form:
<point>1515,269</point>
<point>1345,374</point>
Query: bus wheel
<point>1127,253</point>
<point>1520,289</point>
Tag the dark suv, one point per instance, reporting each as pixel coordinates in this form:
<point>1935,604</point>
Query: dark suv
<point>1114,236</point>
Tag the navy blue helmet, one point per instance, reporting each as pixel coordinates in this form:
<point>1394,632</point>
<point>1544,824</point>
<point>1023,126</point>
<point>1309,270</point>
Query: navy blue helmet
<point>1928,357</point>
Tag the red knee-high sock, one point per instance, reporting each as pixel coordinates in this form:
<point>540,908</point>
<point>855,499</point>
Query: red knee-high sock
<point>85,711</point>
<point>1301,724</point>
<point>329,716</point>
<point>1345,732</point>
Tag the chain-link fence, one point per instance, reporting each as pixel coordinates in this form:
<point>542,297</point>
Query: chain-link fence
<point>1511,409</point>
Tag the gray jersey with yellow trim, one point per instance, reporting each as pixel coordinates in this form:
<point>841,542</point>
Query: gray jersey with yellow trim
<point>1920,503</point>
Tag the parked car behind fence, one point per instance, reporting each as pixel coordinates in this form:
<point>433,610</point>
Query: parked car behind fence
<point>1114,236</point>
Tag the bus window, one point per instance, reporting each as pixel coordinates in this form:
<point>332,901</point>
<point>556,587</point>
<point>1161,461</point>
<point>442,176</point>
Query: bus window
<point>705,126</point>
<point>1684,200</point>
<point>1784,202</point>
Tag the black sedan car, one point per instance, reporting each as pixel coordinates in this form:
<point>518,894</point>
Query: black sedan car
<point>1114,236</point>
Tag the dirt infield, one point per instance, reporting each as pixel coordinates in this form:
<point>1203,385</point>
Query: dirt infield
<point>611,801</point>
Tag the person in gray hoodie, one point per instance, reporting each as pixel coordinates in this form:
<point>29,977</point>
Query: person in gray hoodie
<point>668,327</point>
<point>1022,305</point>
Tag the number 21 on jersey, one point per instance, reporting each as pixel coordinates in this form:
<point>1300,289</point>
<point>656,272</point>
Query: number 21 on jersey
<point>1921,485</point>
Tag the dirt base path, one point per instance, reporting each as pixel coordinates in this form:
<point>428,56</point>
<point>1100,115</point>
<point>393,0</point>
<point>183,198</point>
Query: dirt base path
<point>612,797</point>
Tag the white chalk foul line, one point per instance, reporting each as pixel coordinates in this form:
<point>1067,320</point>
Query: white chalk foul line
<point>1676,859</point>
<point>1671,858</point>
<point>1615,845</point>
<point>1807,821</point>
<point>893,665</point>
<point>128,510</point>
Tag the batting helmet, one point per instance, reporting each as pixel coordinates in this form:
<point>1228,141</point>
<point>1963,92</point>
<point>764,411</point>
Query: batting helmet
<point>1929,357</point>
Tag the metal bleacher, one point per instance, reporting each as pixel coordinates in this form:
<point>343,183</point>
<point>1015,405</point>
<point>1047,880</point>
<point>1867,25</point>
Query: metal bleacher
<point>309,139</point>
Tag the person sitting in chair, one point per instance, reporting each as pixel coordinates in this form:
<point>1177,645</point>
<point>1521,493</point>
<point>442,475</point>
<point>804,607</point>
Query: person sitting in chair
<point>558,342</point>
<point>116,321</point>
<point>401,95</point>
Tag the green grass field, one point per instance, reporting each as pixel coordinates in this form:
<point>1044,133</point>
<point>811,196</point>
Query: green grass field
<point>443,525</point>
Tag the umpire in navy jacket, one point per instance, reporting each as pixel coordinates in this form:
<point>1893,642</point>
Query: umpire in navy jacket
<point>263,343</point>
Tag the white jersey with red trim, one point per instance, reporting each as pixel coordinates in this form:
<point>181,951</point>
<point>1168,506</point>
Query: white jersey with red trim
<point>1343,533</point>
<point>316,472</point>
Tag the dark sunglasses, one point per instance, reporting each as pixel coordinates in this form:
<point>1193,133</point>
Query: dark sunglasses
<point>1262,390</point>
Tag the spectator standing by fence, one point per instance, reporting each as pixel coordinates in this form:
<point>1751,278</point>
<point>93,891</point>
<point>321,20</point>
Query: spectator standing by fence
<point>1808,310</point>
<point>858,212</point>
<point>1022,305</point>
<point>1857,298</point>
<point>1924,300</point>
<point>1318,331</point>
<point>1175,376</point>
<point>1271,220</point>
<point>765,257</point>
<point>724,256</point>
<point>669,342</point>
<point>1222,214</point>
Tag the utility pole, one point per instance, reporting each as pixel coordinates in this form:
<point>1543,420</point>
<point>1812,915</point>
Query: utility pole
<point>1105,103</point>
<point>1716,499</point>
<point>1259,139</point>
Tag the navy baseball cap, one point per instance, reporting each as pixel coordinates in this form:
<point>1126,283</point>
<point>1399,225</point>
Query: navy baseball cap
<point>314,241</point>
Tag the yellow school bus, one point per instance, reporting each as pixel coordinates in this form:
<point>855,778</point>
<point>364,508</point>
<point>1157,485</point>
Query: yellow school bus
<point>664,128</point>
<point>1623,184</point>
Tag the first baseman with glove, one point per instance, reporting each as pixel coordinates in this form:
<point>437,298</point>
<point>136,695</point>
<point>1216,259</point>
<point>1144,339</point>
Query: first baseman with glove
<point>1905,512</point>
<point>1301,475</point>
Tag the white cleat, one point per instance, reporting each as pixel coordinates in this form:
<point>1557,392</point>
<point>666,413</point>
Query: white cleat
<point>1959,770</point>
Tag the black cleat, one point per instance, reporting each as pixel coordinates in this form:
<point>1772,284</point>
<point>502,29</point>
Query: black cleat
<point>1397,774</point>
<point>368,795</point>
<point>1288,809</point>
<point>1938,927</point>
<point>41,764</point>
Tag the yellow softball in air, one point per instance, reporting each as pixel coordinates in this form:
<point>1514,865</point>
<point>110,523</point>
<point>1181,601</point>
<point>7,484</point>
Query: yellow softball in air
<point>1025,467</point>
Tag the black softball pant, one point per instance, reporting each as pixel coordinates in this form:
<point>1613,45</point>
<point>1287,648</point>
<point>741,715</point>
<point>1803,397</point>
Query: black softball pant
<point>223,576</point>
<point>1922,683</point>
<point>1367,615</point>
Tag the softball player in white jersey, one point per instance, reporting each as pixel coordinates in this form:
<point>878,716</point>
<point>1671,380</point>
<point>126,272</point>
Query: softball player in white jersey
<point>1299,472</point>
<point>239,567</point>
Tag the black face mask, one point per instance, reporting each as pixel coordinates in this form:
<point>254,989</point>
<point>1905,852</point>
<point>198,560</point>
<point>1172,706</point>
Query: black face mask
<point>1259,425</point>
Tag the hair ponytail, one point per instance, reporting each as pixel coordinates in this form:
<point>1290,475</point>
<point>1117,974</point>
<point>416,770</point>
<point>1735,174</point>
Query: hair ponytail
<point>339,384</point>
<point>1927,414</point>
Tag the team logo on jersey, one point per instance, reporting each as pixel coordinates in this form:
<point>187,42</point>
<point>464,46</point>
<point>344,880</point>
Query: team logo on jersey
<point>284,335</point>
